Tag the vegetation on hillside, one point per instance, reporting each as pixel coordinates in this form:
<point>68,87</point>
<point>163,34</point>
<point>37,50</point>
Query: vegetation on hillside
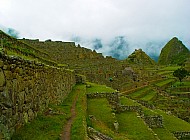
<point>174,52</point>
<point>141,58</point>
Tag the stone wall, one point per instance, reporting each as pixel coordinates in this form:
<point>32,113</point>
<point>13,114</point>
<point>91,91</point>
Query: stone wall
<point>122,108</point>
<point>95,135</point>
<point>112,97</point>
<point>153,121</point>
<point>26,88</point>
<point>146,104</point>
<point>182,134</point>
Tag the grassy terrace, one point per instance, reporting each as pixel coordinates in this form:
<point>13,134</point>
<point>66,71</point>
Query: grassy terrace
<point>149,96</point>
<point>102,112</point>
<point>133,127</point>
<point>173,123</point>
<point>127,101</point>
<point>164,134</point>
<point>139,93</point>
<point>165,82</point>
<point>170,68</point>
<point>98,88</point>
<point>182,84</point>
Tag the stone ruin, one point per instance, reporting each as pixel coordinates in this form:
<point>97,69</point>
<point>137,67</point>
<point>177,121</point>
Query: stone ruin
<point>27,88</point>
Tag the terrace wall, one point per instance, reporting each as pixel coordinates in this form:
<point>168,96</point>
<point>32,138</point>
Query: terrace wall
<point>27,88</point>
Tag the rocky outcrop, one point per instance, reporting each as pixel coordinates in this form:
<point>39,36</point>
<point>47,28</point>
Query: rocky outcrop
<point>27,88</point>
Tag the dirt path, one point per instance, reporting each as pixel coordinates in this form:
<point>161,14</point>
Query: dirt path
<point>66,134</point>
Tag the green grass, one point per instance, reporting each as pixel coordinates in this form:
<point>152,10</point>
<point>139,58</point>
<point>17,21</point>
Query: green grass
<point>127,101</point>
<point>78,130</point>
<point>98,88</point>
<point>148,112</point>
<point>164,134</point>
<point>101,110</point>
<point>182,84</point>
<point>170,68</point>
<point>133,127</point>
<point>149,96</point>
<point>139,92</point>
<point>167,81</point>
<point>47,127</point>
<point>173,123</point>
<point>103,118</point>
<point>164,72</point>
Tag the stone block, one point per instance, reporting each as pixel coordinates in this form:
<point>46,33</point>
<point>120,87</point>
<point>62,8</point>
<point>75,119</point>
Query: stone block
<point>1,64</point>
<point>2,78</point>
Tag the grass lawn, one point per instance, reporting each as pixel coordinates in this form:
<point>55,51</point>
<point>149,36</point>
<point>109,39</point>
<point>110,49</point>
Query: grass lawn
<point>160,84</point>
<point>173,123</point>
<point>103,118</point>
<point>148,96</point>
<point>101,110</point>
<point>171,68</point>
<point>139,92</point>
<point>164,134</point>
<point>133,127</point>
<point>148,112</point>
<point>127,101</point>
<point>164,72</point>
<point>98,88</point>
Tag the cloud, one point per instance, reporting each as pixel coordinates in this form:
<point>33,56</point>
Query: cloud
<point>140,22</point>
<point>10,31</point>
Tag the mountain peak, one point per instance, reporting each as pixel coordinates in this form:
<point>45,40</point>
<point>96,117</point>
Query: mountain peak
<point>174,52</point>
<point>140,57</point>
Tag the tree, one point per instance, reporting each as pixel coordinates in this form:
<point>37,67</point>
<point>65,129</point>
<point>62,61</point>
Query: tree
<point>180,73</point>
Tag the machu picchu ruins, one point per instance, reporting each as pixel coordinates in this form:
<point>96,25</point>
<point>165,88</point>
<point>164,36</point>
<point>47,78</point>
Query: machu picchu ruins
<point>60,90</point>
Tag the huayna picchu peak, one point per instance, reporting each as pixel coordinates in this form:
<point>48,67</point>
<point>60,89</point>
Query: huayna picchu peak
<point>174,52</point>
<point>60,90</point>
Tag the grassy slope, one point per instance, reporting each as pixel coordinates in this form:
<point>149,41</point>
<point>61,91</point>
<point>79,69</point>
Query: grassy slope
<point>134,127</point>
<point>98,88</point>
<point>102,112</point>
<point>173,123</point>
<point>149,96</point>
<point>164,134</point>
<point>139,92</point>
<point>167,81</point>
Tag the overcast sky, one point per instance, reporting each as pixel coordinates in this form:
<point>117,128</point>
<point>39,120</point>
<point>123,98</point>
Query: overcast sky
<point>139,21</point>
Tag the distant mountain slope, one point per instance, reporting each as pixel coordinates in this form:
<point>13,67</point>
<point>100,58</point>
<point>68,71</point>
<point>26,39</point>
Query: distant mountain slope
<point>174,52</point>
<point>140,57</point>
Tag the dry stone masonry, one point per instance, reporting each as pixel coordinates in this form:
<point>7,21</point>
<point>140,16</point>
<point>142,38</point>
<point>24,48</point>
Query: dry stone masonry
<point>27,88</point>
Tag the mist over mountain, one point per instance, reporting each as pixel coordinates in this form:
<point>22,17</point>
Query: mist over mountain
<point>120,47</point>
<point>97,44</point>
<point>10,31</point>
<point>153,49</point>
